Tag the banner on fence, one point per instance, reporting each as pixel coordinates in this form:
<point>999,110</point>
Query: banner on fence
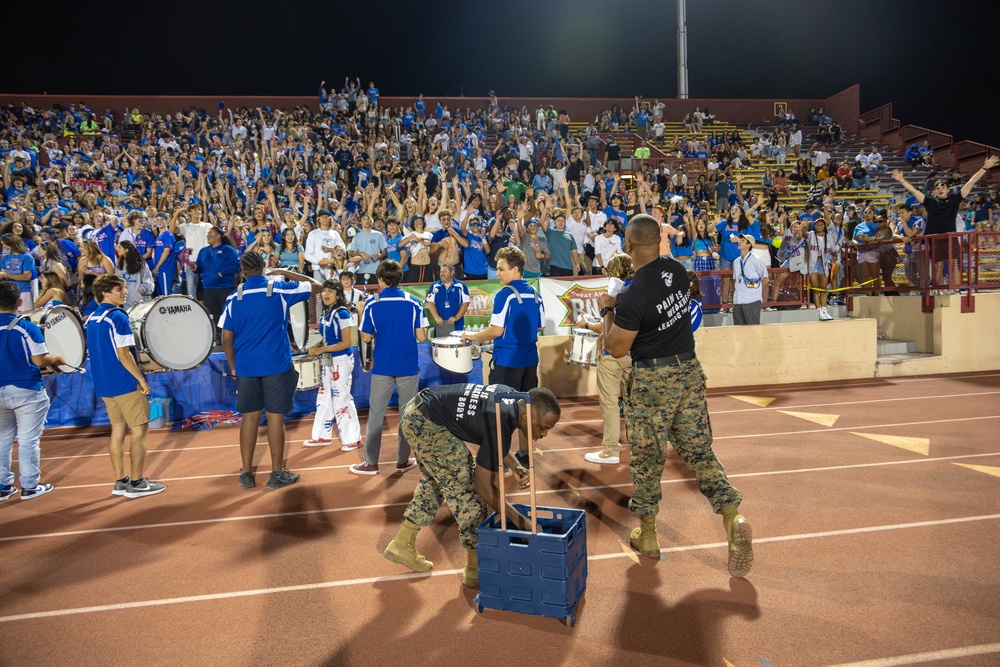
<point>566,300</point>
<point>480,299</point>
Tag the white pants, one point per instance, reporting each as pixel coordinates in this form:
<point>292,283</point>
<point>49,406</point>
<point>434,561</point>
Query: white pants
<point>335,403</point>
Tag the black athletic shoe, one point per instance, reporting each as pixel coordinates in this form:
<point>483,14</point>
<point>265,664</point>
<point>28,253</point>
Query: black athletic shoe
<point>522,457</point>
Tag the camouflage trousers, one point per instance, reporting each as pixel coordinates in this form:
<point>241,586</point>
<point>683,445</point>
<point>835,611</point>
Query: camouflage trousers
<point>668,404</point>
<point>448,471</point>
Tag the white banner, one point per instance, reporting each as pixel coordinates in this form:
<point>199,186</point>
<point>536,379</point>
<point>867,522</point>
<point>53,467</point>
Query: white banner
<point>566,300</point>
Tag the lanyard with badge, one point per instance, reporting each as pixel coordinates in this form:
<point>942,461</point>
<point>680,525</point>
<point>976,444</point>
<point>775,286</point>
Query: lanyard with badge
<point>751,285</point>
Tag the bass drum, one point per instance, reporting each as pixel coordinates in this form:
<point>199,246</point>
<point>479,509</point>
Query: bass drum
<point>64,335</point>
<point>174,332</point>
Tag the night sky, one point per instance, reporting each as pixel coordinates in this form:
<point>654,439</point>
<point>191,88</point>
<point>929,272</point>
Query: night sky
<point>924,56</point>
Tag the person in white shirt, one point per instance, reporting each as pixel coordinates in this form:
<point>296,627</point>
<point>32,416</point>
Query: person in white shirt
<point>576,226</point>
<point>751,279</point>
<point>658,129</point>
<point>606,246</point>
<point>875,165</point>
<point>862,157</point>
<point>320,243</point>
<point>195,233</point>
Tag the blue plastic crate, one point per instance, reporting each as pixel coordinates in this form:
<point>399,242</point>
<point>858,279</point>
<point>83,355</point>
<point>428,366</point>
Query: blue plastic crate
<point>543,574</point>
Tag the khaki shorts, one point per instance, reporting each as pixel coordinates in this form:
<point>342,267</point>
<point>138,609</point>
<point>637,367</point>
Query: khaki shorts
<point>131,408</point>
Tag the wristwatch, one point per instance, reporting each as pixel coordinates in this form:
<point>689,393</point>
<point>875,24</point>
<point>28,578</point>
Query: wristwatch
<point>605,310</point>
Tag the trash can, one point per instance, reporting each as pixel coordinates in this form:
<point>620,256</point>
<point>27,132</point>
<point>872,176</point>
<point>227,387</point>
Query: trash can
<point>159,412</point>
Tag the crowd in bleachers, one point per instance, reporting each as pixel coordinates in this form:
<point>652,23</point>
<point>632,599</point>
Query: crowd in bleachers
<point>153,196</point>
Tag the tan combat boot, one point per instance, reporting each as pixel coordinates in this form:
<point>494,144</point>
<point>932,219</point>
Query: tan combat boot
<point>740,541</point>
<point>643,539</point>
<point>470,577</point>
<point>403,549</point>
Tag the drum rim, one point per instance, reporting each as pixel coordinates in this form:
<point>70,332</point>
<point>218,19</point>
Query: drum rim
<point>140,336</point>
<point>46,312</point>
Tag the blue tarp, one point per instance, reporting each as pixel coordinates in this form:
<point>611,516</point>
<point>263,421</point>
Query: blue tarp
<point>206,388</point>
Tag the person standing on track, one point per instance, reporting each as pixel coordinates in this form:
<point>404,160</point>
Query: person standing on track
<point>334,402</point>
<point>24,403</point>
<point>437,424</point>
<point>254,324</point>
<point>396,321</point>
<point>119,382</point>
<point>666,393</point>
<point>518,315</point>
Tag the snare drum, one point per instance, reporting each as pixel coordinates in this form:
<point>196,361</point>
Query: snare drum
<point>173,331</point>
<point>298,326</point>
<point>64,334</point>
<point>584,349</point>
<point>310,370</point>
<point>452,354</point>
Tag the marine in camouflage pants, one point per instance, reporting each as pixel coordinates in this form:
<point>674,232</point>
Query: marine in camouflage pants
<point>448,471</point>
<point>668,404</point>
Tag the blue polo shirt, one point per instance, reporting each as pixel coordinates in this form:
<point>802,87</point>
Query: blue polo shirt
<point>105,239</point>
<point>17,347</point>
<point>392,320</point>
<point>260,325</point>
<point>164,242</point>
<point>516,347</point>
<point>448,300</point>
<point>332,327</point>
<point>109,329</point>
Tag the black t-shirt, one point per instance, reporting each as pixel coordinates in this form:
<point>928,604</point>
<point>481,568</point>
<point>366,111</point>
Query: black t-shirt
<point>657,306</point>
<point>941,213</point>
<point>468,411</point>
<point>614,150</point>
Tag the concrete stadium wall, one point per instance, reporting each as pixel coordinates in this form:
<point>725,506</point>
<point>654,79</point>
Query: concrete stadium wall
<point>804,352</point>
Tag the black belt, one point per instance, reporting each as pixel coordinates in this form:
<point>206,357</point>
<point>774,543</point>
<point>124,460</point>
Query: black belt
<point>659,362</point>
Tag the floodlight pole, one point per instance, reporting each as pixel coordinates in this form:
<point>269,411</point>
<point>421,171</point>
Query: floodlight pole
<point>682,50</point>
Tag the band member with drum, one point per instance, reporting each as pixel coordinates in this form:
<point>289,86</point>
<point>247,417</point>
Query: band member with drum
<point>254,326</point>
<point>396,321</point>
<point>612,372</point>
<point>666,393</point>
<point>333,400</point>
<point>121,385</point>
<point>24,403</point>
<point>437,424</point>
<point>447,300</point>
<point>518,315</point>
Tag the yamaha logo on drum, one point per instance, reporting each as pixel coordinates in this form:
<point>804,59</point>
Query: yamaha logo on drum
<point>173,310</point>
<point>52,321</point>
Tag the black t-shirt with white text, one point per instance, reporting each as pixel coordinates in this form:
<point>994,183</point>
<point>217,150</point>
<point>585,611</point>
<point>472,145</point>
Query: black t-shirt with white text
<point>657,306</point>
<point>468,411</point>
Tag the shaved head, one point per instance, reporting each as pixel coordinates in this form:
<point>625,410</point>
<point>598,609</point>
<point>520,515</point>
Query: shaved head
<point>643,230</point>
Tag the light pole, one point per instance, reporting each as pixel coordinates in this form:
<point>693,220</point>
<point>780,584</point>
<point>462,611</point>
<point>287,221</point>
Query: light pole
<point>682,50</point>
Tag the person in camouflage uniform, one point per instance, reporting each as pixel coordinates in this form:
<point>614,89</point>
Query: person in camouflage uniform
<point>666,394</point>
<point>436,424</point>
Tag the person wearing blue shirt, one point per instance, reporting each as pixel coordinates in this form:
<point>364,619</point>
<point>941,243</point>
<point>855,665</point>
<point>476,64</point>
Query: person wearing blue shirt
<point>396,322</point>
<point>120,383</point>
<point>447,301</point>
<point>164,262</point>
<point>18,265</point>
<point>476,250</point>
<point>254,325</point>
<point>104,233</point>
<point>24,402</point>
<point>334,403</point>
<point>393,250</point>
<point>518,315</point>
<point>218,265</point>
<point>372,94</point>
<point>420,105</point>
<point>367,248</point>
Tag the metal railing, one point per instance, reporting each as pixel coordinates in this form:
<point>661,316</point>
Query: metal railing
<point>960,263</point>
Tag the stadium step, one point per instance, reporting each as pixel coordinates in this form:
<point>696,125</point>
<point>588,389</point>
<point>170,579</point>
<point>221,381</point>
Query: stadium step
<point>895,347</point>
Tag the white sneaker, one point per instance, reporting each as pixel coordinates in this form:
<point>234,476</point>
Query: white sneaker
<point>824,315</point>
<point>599,457</point>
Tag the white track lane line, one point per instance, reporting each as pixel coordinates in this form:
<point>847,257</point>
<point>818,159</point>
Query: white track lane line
<point>438,573</point>
<point>929,656</point>
<point>540,492</point>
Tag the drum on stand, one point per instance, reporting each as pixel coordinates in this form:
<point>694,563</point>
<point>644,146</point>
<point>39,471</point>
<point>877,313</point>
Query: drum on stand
<point>310,370</point>
<point>173,332</point>
<point>453,354</point>
<point>64,335</point>
<point>584,350</point>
